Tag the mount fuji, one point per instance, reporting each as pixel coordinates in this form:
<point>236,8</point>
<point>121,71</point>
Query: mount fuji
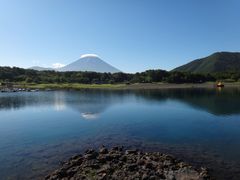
<point>87,62</point>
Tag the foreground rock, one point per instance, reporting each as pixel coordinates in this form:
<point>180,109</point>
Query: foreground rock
<point>130,164</point>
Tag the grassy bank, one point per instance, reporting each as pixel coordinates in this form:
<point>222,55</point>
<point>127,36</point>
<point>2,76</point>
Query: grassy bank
<point>124,86</point>
<point>72,86</point>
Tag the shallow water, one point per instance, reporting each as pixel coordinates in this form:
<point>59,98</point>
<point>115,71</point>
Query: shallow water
<point>40,129</point>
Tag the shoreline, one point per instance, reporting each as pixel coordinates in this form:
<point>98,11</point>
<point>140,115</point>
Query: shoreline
<point>136,86</point>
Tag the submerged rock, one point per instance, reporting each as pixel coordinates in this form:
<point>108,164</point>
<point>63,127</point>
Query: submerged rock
<point>129,164</point>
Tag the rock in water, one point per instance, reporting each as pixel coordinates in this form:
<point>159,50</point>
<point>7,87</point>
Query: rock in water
<point>129,164</point>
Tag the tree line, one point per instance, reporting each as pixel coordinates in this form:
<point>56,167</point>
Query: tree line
<point>15,74</point>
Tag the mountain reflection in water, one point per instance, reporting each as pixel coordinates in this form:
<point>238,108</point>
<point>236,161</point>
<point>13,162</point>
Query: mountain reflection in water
<point>90,104</point>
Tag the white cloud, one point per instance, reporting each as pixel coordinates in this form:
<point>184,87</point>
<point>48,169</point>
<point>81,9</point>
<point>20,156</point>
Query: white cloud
<point>57,65</point>
<point>89,55</point>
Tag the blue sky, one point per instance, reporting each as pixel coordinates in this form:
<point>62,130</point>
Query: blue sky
<point>132,35</point>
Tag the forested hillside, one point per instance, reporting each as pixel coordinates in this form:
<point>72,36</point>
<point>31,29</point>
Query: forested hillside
<point>8,74</point>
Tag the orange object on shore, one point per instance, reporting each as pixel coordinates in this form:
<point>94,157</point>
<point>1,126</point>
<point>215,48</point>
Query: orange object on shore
<point>220,84</point>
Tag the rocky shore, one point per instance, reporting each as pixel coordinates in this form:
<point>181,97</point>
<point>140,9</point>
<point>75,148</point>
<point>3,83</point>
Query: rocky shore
<point>118,163</point>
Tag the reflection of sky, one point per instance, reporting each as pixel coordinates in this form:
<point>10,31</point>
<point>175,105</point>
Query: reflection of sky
<point>59,101</point>
<point>59,106</point>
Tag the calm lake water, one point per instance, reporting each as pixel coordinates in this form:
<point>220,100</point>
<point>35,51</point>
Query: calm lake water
<point>40,129</point>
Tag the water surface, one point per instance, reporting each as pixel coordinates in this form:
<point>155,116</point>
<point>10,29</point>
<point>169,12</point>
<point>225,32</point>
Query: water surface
<point>39,129</point>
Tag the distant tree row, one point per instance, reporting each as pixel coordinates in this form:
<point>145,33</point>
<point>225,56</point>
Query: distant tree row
<point>32,76</point>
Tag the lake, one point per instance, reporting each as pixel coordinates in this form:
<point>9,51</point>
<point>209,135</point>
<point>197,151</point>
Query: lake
<point>38,130</point>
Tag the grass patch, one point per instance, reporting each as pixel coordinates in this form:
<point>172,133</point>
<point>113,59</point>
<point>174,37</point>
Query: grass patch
<point>73,86</point>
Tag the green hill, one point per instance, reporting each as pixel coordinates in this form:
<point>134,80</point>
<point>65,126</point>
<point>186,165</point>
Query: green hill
<point>217,62</point>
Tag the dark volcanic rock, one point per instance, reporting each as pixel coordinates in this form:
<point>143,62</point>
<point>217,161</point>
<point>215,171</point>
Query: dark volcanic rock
<point>131,164</point>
